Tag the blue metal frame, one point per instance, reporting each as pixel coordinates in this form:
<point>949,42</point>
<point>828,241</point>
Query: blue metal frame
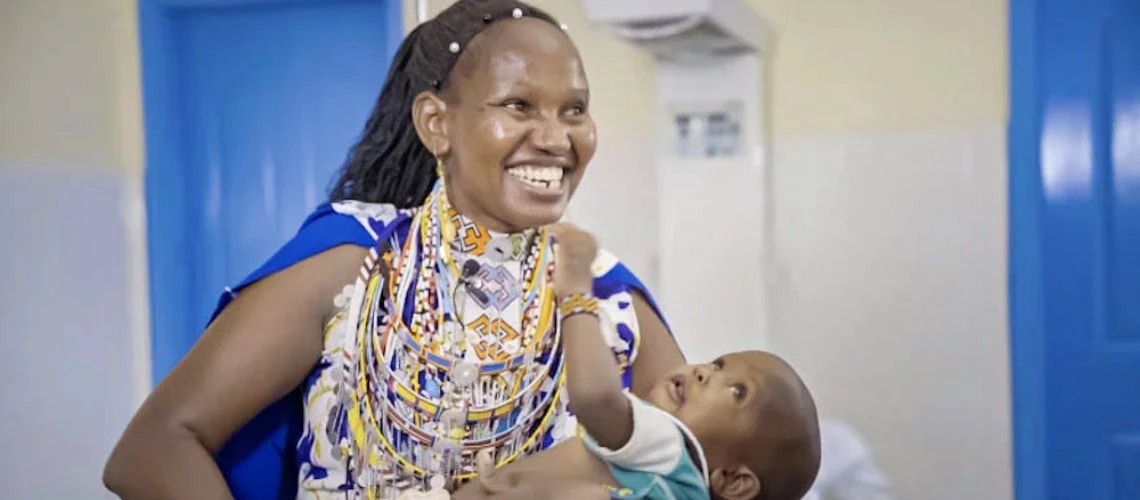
<point>1026,303</point>
<point>165,179</point>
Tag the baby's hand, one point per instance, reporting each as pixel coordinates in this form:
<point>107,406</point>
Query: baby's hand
<point>574,255</point>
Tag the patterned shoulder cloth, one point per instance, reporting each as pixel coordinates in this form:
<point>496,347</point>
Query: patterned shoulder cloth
<point>330,437</point>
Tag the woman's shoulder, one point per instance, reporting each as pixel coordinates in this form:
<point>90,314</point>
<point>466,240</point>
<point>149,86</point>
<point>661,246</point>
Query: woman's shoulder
<point>612,276</point>
<point>343,223</point>
<point>328,226</point>
<point>376,219</point>
<point>386,213</point>
<point>616,283</point>
<point>617,289</point>
<point>340,223</point>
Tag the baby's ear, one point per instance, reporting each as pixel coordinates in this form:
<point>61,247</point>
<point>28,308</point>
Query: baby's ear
<point>734,483</point>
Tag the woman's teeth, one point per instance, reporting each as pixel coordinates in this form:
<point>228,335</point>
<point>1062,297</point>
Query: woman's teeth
<point>540,177</point>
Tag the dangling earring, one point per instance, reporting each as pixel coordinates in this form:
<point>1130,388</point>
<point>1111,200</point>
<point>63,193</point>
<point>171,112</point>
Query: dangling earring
<point>438,161</point>
<point>439,172</point>
<point>447,230</point>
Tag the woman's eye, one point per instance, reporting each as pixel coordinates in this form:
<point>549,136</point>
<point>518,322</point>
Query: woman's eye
<point>517,106</point>
<point>577,109</point>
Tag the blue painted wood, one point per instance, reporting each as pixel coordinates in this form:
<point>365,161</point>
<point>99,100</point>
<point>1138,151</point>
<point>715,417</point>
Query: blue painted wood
<point>1075,248</point>
<point>251,106</point>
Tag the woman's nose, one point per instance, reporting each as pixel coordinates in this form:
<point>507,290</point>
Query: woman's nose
<point>552,137</point>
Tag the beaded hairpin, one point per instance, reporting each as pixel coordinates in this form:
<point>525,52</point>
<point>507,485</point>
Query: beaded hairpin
<point>517,13</point>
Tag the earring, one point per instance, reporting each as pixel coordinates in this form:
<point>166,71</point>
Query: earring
<point>438,160</point>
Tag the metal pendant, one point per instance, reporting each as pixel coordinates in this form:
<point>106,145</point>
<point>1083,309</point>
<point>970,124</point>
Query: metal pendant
<point>500,249</point>
<point>464,374</point>
<point>512,346</point>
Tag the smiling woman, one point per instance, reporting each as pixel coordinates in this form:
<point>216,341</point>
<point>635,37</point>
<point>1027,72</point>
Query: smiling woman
<point>524,114</point>
<point>412,320</point>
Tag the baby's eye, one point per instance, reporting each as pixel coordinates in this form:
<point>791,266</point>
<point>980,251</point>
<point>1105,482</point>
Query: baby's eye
<point>738,392</point>
<point>717,365</point>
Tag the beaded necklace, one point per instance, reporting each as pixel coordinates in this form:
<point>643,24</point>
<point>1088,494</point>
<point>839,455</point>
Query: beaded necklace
<point>425,393</point>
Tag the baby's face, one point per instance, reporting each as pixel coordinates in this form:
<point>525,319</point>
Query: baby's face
<point>753,417</point>
<point>721,402</point>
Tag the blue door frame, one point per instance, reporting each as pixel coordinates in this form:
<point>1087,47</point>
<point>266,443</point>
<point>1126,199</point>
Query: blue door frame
<point>1027,345</point>
<point>166,177</point>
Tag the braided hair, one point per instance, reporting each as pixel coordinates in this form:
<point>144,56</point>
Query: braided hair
<point>389,164</point>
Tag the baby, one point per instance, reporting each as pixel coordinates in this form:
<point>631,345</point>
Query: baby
<point>742,427</point>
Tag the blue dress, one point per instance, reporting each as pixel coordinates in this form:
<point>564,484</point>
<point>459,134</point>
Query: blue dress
<point>275,453</point>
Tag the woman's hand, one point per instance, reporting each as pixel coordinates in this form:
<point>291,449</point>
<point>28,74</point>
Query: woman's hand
<point>529,484</point>
<point>574,254</point>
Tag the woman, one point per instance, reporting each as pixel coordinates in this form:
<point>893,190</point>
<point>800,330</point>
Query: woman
<point>445,341</point>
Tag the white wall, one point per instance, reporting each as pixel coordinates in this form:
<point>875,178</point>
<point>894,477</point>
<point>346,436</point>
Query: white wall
<point>889,186</point>
<point>892,298</point>
<point>73,352</point>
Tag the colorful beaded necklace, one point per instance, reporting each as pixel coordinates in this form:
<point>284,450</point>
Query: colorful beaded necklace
<point>424,392</point>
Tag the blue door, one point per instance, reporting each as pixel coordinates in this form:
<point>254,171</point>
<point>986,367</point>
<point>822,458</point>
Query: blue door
<point>1075,248</point>
<point>251,106</point>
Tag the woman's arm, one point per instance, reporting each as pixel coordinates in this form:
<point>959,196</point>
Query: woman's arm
<point>256,351</point>
<point>657,352</point>
<point>571,472</point>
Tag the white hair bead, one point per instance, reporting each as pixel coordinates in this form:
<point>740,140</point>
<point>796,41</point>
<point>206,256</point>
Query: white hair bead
<point>454,47</point>
<point>517,13</point>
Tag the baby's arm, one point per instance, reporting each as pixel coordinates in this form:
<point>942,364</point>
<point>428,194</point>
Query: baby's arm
<point>593,380</point>
<point>593,383</point>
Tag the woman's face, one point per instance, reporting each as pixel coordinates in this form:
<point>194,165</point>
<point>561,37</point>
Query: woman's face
<point>517,125</point>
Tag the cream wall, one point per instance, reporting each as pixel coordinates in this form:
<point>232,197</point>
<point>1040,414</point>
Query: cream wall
<point>888,289</point>
<point>73,325</point>
<point>878,65</point>
<point>70,86</point>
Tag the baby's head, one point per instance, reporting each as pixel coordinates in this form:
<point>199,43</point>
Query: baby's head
<point>754,418</point>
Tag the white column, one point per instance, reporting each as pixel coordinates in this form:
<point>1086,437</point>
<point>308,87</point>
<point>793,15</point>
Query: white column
<point>713,211</point>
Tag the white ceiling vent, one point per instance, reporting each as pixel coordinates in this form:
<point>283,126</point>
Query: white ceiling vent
<point>684,29</point>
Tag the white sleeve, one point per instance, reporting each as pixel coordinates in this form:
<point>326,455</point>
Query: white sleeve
<point>656,444</point>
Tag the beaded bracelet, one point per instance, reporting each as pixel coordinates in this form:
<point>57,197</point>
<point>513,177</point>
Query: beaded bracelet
<point>578,303</point>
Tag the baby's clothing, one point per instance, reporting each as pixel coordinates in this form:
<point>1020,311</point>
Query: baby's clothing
<point>655,463</point>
